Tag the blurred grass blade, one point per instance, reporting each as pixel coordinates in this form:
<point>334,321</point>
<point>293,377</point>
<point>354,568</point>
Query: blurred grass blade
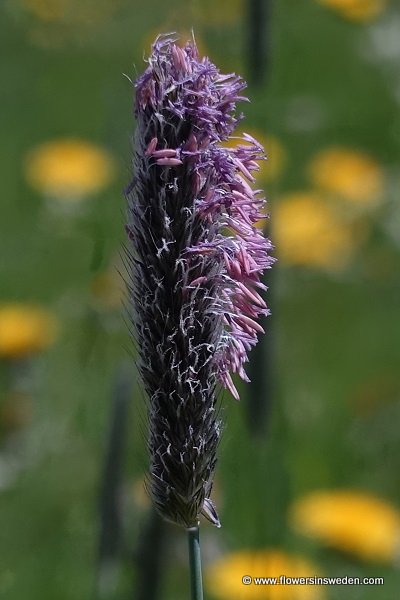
<point>110,517</point>
<point>149,558</point>
<point>258,42</point>
<point>261,374</point>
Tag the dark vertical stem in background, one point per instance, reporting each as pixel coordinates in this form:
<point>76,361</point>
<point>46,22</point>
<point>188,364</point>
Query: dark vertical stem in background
<point>265,414</point>
<point>268,427</point>
<point>149,558</point>
<point>110,518</point>
<point>261,370</point>
<point>258,38</point>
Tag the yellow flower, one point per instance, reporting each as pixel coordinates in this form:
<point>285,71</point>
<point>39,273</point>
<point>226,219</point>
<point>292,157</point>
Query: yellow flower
<point>224,577</point>
<point>352,175</point>
<point>25,330</point>
<point>356,10</point>
<point>307,231</point>
<point>69,168</point>
<point>351,521</point>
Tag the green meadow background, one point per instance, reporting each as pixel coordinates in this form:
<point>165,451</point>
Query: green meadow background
<point>324,406</point>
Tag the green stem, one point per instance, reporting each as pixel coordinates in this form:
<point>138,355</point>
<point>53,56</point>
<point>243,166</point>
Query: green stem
<point>196,581</point>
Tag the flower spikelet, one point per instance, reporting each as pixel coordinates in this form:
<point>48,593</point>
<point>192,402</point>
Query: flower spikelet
<point>195,258</point>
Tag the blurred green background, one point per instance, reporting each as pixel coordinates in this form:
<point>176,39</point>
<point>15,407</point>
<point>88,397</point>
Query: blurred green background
<point>325,94</point>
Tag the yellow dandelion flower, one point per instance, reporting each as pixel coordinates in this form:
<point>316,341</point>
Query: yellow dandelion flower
<point>353,175</point>
<point>308,232</point>
<point>25,330</point>
<point>351,521</point>
<point>356,10</point>
<point>224,577</point>
<point>69,168</point>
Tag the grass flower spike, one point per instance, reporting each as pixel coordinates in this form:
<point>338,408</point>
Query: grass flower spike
<point>195,258</point>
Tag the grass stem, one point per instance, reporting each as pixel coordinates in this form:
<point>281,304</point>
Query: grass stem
<point>196,580</point>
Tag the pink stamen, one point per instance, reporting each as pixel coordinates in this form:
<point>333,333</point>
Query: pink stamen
<point>198,281</point>
<point>151,147</point>
<point>179,58</point>
<point>243,169</point>
<point>244,215</point>
<point>245,186</point>
<point>251,294</point>
<point>229,384</point>
<point>250,323</point>
<point>245,260</point>
<point>241,196</point>
<point>169,162</point>
<point>166,153</point>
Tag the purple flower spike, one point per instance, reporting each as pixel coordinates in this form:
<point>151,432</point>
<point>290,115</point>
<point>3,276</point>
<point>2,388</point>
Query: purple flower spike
<point>196,258</point>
